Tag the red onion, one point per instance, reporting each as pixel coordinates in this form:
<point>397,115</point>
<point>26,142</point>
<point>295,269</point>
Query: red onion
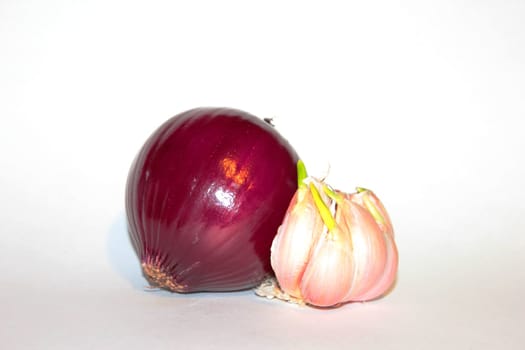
<point>205,197</point>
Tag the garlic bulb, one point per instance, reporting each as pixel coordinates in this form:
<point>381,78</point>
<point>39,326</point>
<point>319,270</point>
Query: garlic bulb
<point>334,247</point>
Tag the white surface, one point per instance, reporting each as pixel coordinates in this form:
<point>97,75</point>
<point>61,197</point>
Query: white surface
<point>421,101</point>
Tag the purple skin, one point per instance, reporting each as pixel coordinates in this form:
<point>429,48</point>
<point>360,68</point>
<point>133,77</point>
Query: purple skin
<point>205,197</point>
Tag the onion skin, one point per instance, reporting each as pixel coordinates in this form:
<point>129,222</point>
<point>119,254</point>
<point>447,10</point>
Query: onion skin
<point>205,197</point>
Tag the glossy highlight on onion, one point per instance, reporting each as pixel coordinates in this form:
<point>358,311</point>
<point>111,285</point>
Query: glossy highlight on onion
<point>205,197</point>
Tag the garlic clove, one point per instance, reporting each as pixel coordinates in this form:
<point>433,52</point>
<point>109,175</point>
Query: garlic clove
<point>296,237</point>
<point>388,277</point>
<point>369,249</point>
<point>367,199</point>
<point>329,273</point>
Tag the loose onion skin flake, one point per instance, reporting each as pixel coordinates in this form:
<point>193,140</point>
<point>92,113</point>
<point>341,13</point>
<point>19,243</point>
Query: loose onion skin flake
<point>205,197</point>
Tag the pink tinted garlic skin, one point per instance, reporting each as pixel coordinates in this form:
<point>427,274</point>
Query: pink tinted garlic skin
<point>333,247</point>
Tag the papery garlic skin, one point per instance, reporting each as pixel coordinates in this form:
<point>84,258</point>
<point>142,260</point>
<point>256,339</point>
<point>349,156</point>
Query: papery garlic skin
<point>334,248</point>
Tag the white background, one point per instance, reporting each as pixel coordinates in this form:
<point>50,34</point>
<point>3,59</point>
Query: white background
<point>421,101</point>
